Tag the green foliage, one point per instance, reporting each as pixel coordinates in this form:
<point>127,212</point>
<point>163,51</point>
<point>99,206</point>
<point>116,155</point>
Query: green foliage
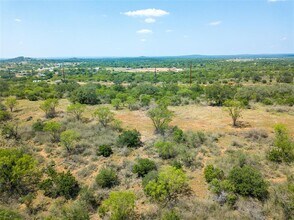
<point>218,93</point>
<point>76,110</point>
<point>10,130</point>
<point>38,125</point>
<point>85,95</point>
<point>170,215</point>
<point>11,103</point>
<point>283,149</point>
<point>234,109</point>
<point>131,103</point>
<point>68,138</point>
<point>104,150</point>
<point>49,106</point>
<point>75,211</point>
<point>248,182</point>
<point>178,134</point>
<point>145,100</point>
<point>104,115</point>
<point>171,182</point>
<point>211,172</point>
<point>18,172</point>
<point>152,175</point>
<point>106,178</point>
<point>54,128</point>
<point>144,166</point>
<point>60,184</point>
<point>160,117</point>
<point>166,150</point>
<point>8,214</point>
<point>120,205</point>
<point>4,115</point>
<point>116,103</point>
<point>130,138</point>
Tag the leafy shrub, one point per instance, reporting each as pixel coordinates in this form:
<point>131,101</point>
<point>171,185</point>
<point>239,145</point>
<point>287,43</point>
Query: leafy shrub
<point>60,184</point>
<point>283,149</point>
<point>4,115</point>
<point>85,95</point>
<point>75,211</point>
<point>248,182</point>
<point>144,166</point>
<point>10,130</point>
<point>104,115</point>
<point>170,215</point>
<point>38,125</point>
<point>48,106</point>
<point>166,150</point>
<point>54,128</point>
<point>76,110</point>
<point>152,175</point>
<point>210,173</point>
<point>120,205</point>
<point>7,214</point>
<point>178,134</point>
<point>67,139</point>
<point>104,150</point>
<point>171,182</point>
<point>18,172</point>
<point>160,117</point>
<point>130,138</point>
<point>107,178</point>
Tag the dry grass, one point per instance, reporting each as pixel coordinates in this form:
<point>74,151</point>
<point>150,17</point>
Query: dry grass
<point>193,117</point>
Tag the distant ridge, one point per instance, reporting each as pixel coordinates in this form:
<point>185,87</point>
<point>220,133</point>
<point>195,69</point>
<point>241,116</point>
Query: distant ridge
<point>196,56</point>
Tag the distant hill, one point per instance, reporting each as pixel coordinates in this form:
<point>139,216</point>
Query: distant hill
<point>196,56</point>
<point>18,59</point>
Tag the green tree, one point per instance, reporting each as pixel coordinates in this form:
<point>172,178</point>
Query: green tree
<point>145,100</point>
<point>76,110</point>
<point>166,150</point>
<point>120,205</point>
<point>130,138</point>
<point>116,103</point>
<point>171,182</point>
<point>131,103</point>
<point>107,178</point>
<point>234,108</point>
<point>144,166</point>
<point>283,149</point>
<point>104,150</point>
<point>248,182</point>
<point>104,115</point>
<point>49,107</point>
<point>211,172</point>
<point>18,172</point>
<point>11,103</point>
<point>54,128</point>
<point>68,138</point>
<point>60,184</point>
<point>160,117</point>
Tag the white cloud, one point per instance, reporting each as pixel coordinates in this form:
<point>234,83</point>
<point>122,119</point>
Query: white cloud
<point>150,20</point>
<point>284,38</point>
<point>168,30</point>
<point>151,12</point>
<point>144,31</point>
<point>143,40</point>
<point>17,20</point>
<point>215,23</point>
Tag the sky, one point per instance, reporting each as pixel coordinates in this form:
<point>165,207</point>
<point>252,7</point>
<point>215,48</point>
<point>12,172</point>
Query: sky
<point>129,28</point>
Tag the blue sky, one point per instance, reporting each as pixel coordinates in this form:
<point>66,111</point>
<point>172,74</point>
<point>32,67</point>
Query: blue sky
<point>103,28</point>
